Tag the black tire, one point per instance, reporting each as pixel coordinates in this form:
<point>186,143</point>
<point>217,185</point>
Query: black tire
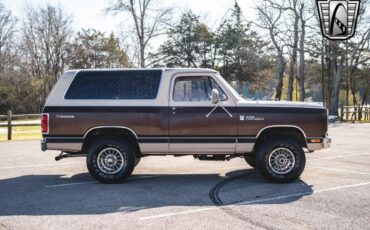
<point>250,159</point>
<point>287,146</point>
<point>120,147</point>
<point>137,160</point>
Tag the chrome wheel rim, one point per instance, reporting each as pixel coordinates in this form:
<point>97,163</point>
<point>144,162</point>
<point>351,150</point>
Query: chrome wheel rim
<point>110,160</point>
<point>281,160</point>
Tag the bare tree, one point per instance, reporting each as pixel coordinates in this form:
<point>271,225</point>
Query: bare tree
<point>7,30</point>
<point>270,18</point>
<point>298,13</point>
<point>302,63</point>
<point>293,6</point>
<point>46,33</point>
<point>148,21</point>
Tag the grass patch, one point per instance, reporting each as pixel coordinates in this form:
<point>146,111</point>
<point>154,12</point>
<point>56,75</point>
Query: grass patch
<point>35,128</point>
<point>22,133</point>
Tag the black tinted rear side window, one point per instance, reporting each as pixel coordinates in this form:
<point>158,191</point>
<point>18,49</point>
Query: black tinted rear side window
<point>128,84</point>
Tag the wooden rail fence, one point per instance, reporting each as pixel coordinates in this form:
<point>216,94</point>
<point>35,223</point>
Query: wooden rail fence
<point>9,124</point>
<point>355,113</point>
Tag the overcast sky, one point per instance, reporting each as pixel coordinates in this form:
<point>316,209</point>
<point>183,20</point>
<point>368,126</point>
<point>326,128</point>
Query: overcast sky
<point>89,13</point>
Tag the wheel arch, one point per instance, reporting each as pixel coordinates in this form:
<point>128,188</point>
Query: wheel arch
<point>97,132</point>
<point>289,131</point>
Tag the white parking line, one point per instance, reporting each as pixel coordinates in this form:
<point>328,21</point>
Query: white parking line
<point>93,182</point>
<point>22,154</point>
<point>303,193</point>
<point>343,156</point>
<point>70,184</point>
<point>341,170</point>
<point>177,213</point>
<point>39,165</point>
<point>256,201</point>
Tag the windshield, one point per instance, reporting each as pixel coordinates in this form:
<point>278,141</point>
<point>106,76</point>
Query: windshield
<point>229,87</point>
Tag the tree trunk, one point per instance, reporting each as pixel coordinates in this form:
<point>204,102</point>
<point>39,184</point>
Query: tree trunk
<point>291,75</point>
<point>329,80</point>
<point>279,75</point>
<point>336,72</point>
<point>335,92</point>
<point>293,60</point>
<point>347,92</point>
<point>322,72</point>
<point>302,64</point>
<point>353,90</point>
<point>142,53</point>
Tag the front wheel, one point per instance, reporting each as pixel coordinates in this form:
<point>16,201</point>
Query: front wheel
<point>110,160</point>
<point>280,160</point>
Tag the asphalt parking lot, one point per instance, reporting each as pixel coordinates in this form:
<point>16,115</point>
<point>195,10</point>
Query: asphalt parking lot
<point>181,193</point>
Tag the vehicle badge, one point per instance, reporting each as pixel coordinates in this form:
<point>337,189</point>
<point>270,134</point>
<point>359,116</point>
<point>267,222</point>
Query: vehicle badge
<point>338,18</point>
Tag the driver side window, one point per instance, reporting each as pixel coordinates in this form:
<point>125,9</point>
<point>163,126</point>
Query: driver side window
<point>196,88</point>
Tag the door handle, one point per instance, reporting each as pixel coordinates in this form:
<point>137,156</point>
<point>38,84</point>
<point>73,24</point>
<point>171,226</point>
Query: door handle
<point>174,109</point>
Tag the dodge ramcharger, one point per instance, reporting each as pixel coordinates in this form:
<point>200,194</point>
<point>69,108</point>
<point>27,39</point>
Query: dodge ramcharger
<point>115,117</point>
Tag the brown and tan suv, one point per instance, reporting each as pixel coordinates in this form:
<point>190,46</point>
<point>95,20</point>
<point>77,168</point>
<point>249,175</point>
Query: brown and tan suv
<point>115,117</point>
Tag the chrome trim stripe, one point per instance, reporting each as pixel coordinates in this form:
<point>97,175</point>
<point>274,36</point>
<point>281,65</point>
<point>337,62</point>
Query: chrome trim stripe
<point>153,140</point>
<point>64,140</point>
<point>178,140</point>
<point>281,126</point>
<point>63,136</point>
<point>202,148</point>
<point>104,127</point>
<point>187,139</point>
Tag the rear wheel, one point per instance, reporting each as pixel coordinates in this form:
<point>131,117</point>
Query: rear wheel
<point>280,160</point>
<point>250,159</point>
<point>137,160</point>
<point>110,160</point>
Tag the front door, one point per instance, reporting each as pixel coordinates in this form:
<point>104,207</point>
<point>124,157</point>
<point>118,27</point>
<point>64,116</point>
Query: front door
<point>196,125</point>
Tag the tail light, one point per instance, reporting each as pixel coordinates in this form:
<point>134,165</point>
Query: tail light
<point>45,123</point>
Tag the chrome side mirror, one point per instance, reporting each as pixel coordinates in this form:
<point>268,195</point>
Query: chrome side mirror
<point>215,96</point>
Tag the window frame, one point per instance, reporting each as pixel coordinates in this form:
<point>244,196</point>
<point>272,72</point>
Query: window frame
<point>210,77</point>
<point>110,99</point>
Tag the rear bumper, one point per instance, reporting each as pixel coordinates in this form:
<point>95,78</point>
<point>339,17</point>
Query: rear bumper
<point>43,145</point>
<point>323,144</point>
<point>67,145</point>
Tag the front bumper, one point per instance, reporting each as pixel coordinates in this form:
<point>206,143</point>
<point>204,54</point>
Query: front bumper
<point>326,142</point>
<point>323,144</point>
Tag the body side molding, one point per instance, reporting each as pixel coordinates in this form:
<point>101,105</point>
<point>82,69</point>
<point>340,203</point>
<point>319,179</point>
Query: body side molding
<point>110,127</point>
<point>281,126</point>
